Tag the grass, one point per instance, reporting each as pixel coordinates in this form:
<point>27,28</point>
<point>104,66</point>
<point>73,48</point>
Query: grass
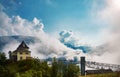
<point>114,74</point>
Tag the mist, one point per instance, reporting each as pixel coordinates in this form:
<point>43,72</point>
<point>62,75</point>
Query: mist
<point>109,51</point>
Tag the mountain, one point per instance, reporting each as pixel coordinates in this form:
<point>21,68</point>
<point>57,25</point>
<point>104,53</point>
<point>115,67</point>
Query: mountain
<point>4,40</point>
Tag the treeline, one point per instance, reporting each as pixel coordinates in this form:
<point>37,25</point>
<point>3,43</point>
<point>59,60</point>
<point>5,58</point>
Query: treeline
<point>36,68</point>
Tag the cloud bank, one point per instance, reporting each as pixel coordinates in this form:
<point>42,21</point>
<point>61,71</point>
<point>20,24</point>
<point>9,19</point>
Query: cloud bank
<point>110,50</point>
<point>18,26</point>
<point>47,46</point>
<point>67,37</point>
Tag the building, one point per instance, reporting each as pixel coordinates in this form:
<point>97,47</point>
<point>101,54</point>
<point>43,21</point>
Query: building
<point>101,71</point>
<point>21,53</point>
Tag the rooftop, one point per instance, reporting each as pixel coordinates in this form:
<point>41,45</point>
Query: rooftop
<point>22,46</point>
<point>101,71</point>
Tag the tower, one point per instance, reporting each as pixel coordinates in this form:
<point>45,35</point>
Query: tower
<point>82,66</point>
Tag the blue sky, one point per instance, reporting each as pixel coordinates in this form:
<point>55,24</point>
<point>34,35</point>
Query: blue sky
<point>79,16</point>
<point>82,17</point>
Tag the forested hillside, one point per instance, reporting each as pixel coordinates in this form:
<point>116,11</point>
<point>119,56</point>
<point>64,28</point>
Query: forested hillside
<point>36,68</point>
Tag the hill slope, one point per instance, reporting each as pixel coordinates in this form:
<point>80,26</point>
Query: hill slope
<point>4,40</point>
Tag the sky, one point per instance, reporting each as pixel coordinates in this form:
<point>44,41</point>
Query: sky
<point>79,16</point>
<point>94,22</point>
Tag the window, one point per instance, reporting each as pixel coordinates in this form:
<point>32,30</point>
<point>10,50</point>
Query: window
<point>26,53</point>
<point>20,52</point>
<point>21,58</point>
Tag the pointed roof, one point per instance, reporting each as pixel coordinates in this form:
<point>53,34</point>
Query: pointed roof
<point>22,46</point>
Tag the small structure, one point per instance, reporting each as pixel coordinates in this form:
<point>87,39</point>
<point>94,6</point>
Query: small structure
<point>101,71</point>
<point>21,53</point>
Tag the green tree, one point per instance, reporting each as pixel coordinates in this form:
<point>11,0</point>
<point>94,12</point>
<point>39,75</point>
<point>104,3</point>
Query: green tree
<point>72,70</point>
<point>62,69</point>
<point>2,58</point>
<point>45,69</point>
<point>37,74</point>
<point>54,68</point>
<point>17,75</point>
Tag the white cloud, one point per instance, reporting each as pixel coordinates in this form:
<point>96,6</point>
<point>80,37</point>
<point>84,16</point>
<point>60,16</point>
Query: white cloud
<point>36,21</point>
<point>110,50</point>
<point>51,46</point>
<point>47,45</point>
<point>18,26</point>
<point>69,37</point>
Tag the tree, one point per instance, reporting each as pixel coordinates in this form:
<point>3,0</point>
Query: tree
<point>72,70</point>
<point>2,58</point>
<point>54,68</point>
<point>62,69</point>
<point>37,74</point>
<point>17,75</point>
